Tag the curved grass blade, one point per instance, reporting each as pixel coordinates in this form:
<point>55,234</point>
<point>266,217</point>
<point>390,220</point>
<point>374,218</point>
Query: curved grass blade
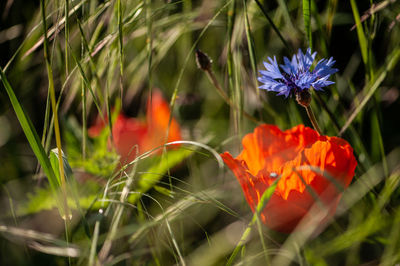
<point>256,218</point>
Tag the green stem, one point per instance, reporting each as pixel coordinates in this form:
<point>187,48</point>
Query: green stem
<point>313,120</point>
<point>55,115</point>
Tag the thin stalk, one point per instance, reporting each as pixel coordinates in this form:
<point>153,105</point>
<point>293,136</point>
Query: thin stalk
<point>66,13</point>
<point>251,49</point>
<point>260,231</point>
<point>256,217</point>
<point>313,119</point>
<point>92,254</point>
<point>330,114</point>
<point>66,225</point>
<point>54,107</point>
<point>46,120</point>
<point>121,48</point>
<point>226,98</point>
<point>84,122</point>
<point>242,240</point>
<point>106,248</point>
<point>230,64</point>
<point>274,27</point>
<point>85,45</point>
<point>149,40</point>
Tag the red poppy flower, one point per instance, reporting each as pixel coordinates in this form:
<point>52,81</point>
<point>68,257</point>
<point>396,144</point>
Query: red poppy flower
<point>151,133</point>
<point>269,152</point>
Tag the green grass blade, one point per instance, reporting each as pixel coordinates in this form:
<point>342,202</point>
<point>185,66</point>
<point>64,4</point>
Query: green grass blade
<point>64,207</point>
<point>266,196</point>
<point>66,30</point>
<point>377,145</point>
<point>120,48</point>
<point>149,26</point>
<point>120,37</point>
<point>87,83</point>
<point>360,33</point>
<point>54,159</point>
<point>393,58</point>
<point>274,27</point>
<point>231,13</point>
<point>307,21</point>
<point>31,134</point>
<point>250,44</point>
<point>161,166</point>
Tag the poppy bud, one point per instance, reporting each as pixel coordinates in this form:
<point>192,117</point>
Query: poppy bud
<point>203,60</point>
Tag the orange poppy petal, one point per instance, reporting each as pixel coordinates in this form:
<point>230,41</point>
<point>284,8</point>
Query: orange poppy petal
<point>269,147</point>
<point>158,116</point>
<point>99,125</point>
<point>128,132</point>
<point>292,154</point>
<point>252,187</point>
<point>146,135</point>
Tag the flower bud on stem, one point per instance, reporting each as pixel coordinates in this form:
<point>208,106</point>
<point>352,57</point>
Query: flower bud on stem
<point>204,63</point>
<point>304,99</point>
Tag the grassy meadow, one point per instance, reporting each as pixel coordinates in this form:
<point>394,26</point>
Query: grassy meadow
<point>69,66</point>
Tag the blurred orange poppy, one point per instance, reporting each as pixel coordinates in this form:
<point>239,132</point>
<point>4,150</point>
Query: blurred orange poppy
<point>292,155</point>
<point>146,134</point>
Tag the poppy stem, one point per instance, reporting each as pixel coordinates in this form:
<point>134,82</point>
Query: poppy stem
<point>313,119</point>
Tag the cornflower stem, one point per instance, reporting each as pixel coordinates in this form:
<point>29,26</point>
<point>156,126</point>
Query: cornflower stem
<point>313,119</point>
<point>222,93</point>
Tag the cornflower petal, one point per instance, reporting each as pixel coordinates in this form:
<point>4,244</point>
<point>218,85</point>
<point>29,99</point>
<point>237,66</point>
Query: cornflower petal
<point>322,82</point>
<point>289,67</point>
<point>273,71</point>
<point>297,74</point>
<point>323,68</point>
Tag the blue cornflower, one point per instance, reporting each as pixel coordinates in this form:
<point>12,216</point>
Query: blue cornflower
<point>297,75</point>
